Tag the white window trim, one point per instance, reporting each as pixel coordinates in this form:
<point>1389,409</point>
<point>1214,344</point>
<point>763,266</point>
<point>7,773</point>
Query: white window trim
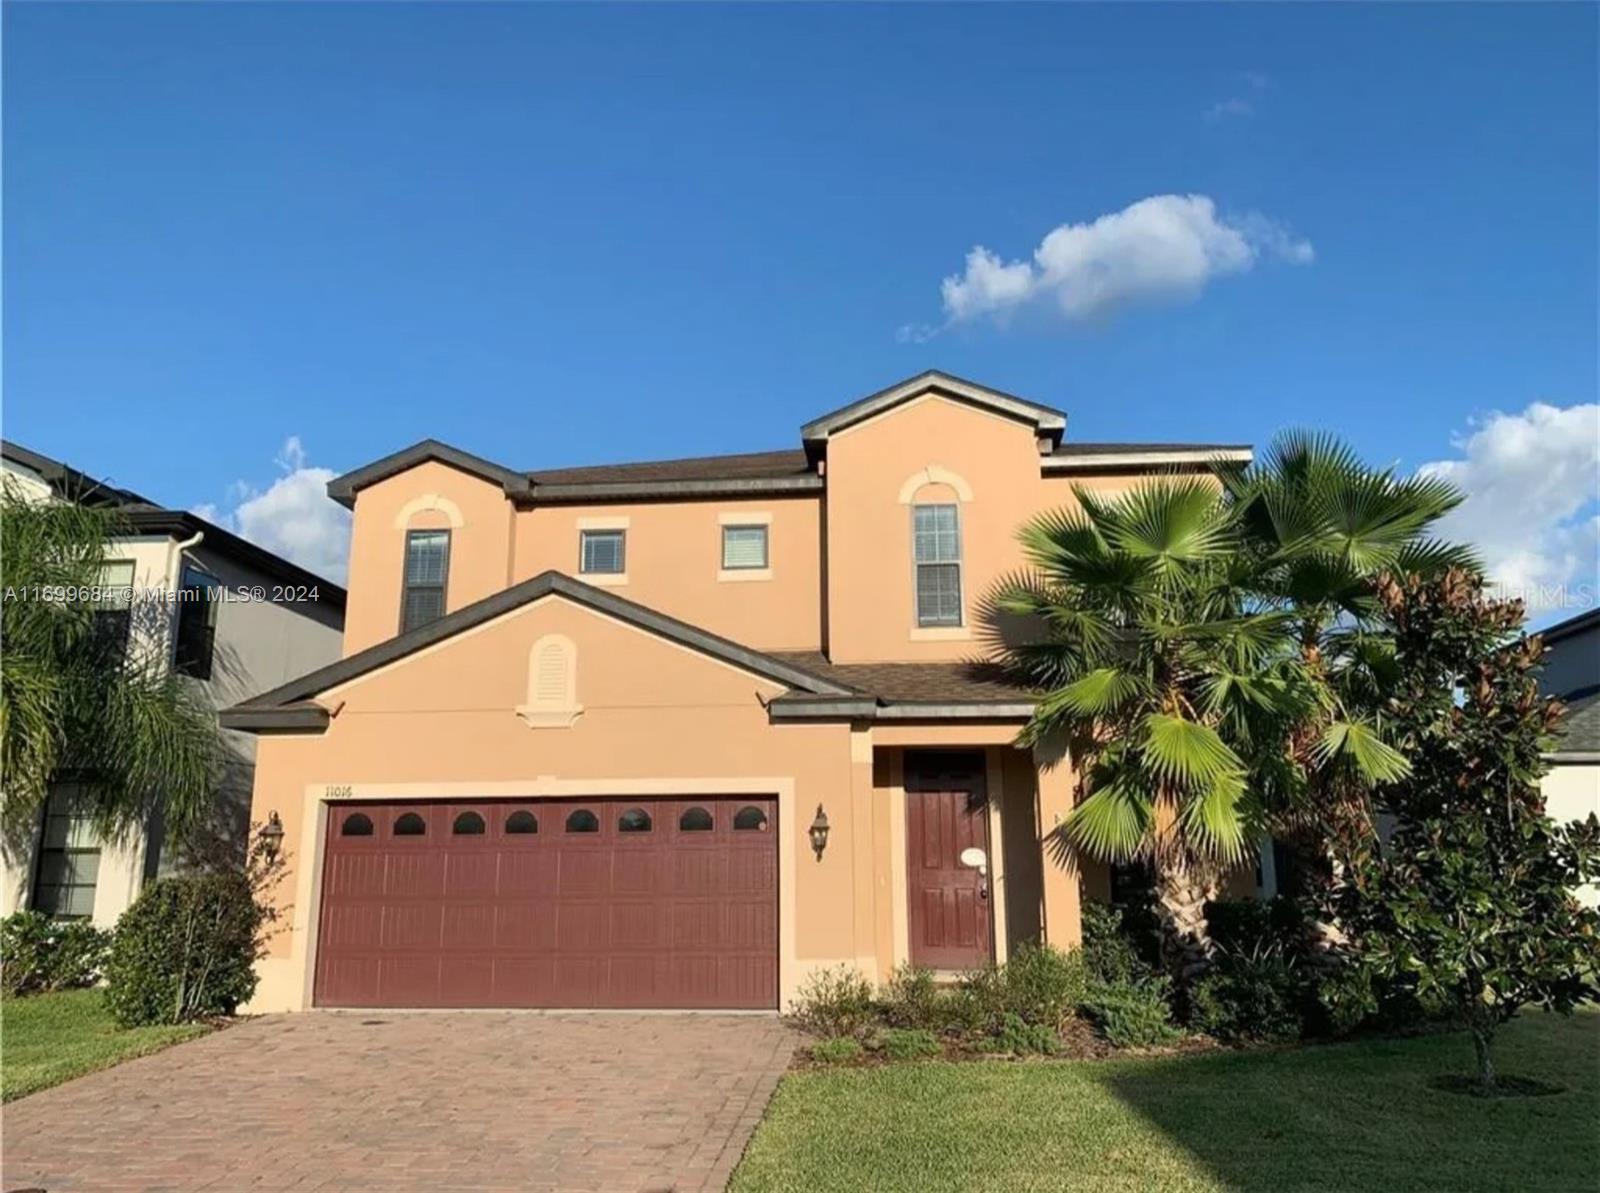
<point>429,503</point>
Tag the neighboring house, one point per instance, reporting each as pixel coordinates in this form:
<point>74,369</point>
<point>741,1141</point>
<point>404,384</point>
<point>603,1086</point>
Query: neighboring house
<point>678,734</point>
<point>248,621</point>
<point>1572,672</point>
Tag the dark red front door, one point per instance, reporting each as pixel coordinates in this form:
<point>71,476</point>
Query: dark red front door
<point>591,903</point>
<point>947,813</point>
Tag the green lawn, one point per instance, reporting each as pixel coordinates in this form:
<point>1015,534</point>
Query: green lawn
<point>1341,1117</point>
<point>46,1039</point>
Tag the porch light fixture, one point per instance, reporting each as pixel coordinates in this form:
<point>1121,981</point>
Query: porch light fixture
<point>272,836</point>
<point>819,832</point>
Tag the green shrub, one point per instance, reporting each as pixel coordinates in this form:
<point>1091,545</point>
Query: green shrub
<point>900,1043</point>
<point>38,953</point>
<point>912,999</point>
<point>1251,997</point>
<point>836,1050</point>
<point>1132,1014</point>
<point>185,950</point>
<point>1017,1036</point>
<point>1042,985</point>
<point>1248,925</point>
<point>834,1002</point>
<point>1110,953</point>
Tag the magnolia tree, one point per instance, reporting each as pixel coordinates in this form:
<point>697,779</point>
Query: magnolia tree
<point>1470,902</point>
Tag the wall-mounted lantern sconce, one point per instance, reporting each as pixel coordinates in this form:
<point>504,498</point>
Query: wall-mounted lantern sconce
<point>819,832</point>
<point>272,836</point>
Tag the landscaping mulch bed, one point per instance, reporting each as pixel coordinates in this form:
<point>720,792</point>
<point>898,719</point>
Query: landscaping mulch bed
<point>1079,1042</point>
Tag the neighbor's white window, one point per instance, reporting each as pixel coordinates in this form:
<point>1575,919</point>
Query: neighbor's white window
<point>602,552</point>
<point>744,547</point>
<point>69,857</point>
<point>936,536</point>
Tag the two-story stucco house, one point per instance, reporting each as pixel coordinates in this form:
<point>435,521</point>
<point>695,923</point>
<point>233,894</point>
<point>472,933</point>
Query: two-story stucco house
<point>253,620</point>
<point>678,734</point>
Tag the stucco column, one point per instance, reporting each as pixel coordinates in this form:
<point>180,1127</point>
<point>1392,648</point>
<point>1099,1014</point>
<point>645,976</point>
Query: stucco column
<point>862,837</point>
<point>1063,924</point>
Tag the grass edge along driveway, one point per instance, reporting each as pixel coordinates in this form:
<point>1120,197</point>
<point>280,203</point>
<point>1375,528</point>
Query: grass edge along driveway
<point>46,1039</point>
<point>1330,1117</point>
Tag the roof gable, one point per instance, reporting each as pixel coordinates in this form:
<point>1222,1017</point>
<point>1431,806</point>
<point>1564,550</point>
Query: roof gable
<point>286,707</point>
<point>343,489</point>
<point>1046,421</point>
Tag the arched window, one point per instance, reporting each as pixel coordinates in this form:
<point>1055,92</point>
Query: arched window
<point>468,824</point>
<point>583,821</point>
<point>410,825</point>
<point>695,820</point>
<point>634,820</point>
<point>357,824</point>
<point>750,818</point>
<point>521,822</point>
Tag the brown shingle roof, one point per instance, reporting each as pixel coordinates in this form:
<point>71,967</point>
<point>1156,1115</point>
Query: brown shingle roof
<point>914,683</point>
<point>745,466</point>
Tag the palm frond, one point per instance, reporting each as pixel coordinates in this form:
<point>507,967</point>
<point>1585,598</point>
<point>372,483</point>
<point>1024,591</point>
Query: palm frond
<point>1186,753</point>
<point>1357,744</point>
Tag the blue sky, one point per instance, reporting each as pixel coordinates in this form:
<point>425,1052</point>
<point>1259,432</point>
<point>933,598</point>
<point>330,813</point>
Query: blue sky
<point>558,235</point>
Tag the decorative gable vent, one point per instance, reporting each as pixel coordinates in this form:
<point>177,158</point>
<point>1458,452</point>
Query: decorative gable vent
<point>552,684</point>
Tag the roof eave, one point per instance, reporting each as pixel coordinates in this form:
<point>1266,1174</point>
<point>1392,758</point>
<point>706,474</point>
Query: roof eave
<point>578,493</point>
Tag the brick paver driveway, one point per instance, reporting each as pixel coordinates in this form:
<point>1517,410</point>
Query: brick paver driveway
<point>412,1101</point>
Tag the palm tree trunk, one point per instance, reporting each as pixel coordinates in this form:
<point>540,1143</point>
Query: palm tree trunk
<point>1183,885</point>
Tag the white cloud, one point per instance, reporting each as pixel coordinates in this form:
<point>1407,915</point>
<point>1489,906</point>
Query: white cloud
<point>1162,249</point>
<point>1532,507</point>
<point>1234,107</point>
<point>293,516</point>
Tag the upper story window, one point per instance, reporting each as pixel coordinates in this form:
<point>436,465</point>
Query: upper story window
<point>936,536</point>
<point>602,552</point>
<point>744,548</point>
<point>427,565</point>
<point>113,615</point>
<point>199,595</point>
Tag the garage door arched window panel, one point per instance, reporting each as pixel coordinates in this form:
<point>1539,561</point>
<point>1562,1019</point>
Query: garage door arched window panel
<point>750,819</point>
<point>410,824</point>
<point>468,824</point>
<point>634,820</point>
<point>695,820</point>
<point>581,820</point>
<point>521,823</point>
<point>356,824</point>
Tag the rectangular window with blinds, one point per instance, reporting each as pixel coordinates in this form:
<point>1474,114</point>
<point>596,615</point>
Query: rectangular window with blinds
<point>427,567</point>
<point>744,548</point>
<point>936,536</point>
<point>602,552</point>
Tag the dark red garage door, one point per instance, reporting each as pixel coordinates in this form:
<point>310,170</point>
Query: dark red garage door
<point>601,903</point>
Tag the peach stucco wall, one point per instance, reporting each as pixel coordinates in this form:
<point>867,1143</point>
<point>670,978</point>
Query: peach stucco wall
<point>674,563</point>
<point>656,718</point>
<point>427,497</point>
<point>929,450</point>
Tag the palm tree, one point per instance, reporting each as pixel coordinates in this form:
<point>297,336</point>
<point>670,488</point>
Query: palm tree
<point>1177,691</point>
<point>1321,528</point>
<point>79,703</point>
